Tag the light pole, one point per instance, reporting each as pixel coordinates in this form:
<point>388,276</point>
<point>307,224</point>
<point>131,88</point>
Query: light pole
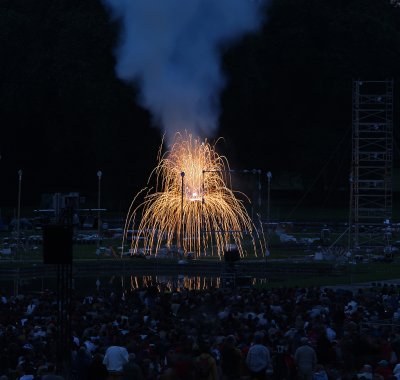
<point>182,190</point>
<point>269,176</point>
<point>202,228</point>
<point>257,171</point>
<point>350,220</point>
<point>18,212</point>
<point>259,192</point>
<point>99,174</point>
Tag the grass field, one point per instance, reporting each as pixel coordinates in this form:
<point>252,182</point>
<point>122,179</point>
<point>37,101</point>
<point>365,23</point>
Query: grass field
<point>288,264</point>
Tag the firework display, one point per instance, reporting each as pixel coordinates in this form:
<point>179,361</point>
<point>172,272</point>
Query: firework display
<point>191,207</point>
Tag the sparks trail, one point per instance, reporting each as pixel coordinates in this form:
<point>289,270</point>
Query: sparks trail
<point>192,206</point>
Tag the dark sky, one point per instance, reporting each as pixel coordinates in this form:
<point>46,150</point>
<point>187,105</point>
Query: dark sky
<point>286,106</point>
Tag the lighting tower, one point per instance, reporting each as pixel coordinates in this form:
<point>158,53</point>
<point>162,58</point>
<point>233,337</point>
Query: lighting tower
<point>372,166</point>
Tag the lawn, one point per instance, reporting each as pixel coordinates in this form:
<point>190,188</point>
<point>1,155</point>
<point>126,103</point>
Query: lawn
<point>287,265</point>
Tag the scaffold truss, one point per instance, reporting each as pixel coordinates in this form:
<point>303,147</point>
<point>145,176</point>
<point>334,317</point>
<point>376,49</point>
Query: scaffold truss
<point>372,166</point>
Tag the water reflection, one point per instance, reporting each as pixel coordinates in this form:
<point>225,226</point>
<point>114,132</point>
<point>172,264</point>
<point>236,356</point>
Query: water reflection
<point>176,283</point>
<point>187,282</point>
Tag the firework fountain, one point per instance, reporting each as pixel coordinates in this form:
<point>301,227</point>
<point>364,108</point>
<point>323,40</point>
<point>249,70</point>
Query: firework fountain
<point>191,205</point>
<point>170,51</point>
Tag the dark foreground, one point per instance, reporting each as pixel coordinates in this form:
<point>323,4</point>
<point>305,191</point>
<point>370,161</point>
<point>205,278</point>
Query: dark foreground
<point>169,333</point>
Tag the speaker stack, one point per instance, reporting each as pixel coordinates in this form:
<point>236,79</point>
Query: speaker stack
<point>57,244</point>
<point>232,256</point>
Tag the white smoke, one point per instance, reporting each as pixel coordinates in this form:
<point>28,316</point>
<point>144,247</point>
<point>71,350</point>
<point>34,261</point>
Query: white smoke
<point>171,50</point>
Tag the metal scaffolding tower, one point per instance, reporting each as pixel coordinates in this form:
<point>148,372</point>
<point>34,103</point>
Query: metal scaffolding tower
<point>372,166</point>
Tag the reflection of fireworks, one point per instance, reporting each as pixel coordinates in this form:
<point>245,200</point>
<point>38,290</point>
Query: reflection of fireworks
<point>180,283</point>
<point>175,283</point>
<point>192,206</point>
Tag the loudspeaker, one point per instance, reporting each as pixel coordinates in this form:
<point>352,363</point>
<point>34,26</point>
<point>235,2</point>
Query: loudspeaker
<point>57,244</point>
<point>244,281</point>
<point>232,256</point>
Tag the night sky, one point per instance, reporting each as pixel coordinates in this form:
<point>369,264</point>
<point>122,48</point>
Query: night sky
<point>285,108</point>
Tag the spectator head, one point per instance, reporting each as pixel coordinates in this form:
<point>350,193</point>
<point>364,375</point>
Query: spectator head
<point>51,367</point>
<point>230,340</point>
<point>383,363</point>
<point>366,368</point>
<point>204,346</point>
<point>98,358</point>
<point>258,337</point>
<point>304,341</point>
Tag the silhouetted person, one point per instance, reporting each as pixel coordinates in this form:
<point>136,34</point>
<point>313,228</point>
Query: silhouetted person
<point>131,370</point>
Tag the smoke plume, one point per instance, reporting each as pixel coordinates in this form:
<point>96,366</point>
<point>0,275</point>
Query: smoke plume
<point>171,50</point>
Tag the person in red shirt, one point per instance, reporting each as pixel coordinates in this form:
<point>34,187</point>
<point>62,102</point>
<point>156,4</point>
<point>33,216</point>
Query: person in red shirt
<point>383,369</point>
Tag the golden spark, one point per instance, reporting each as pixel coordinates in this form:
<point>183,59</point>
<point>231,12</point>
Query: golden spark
<point>192,206</point>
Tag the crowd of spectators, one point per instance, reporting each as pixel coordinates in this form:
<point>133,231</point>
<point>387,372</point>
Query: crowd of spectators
<point>219,333</point>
